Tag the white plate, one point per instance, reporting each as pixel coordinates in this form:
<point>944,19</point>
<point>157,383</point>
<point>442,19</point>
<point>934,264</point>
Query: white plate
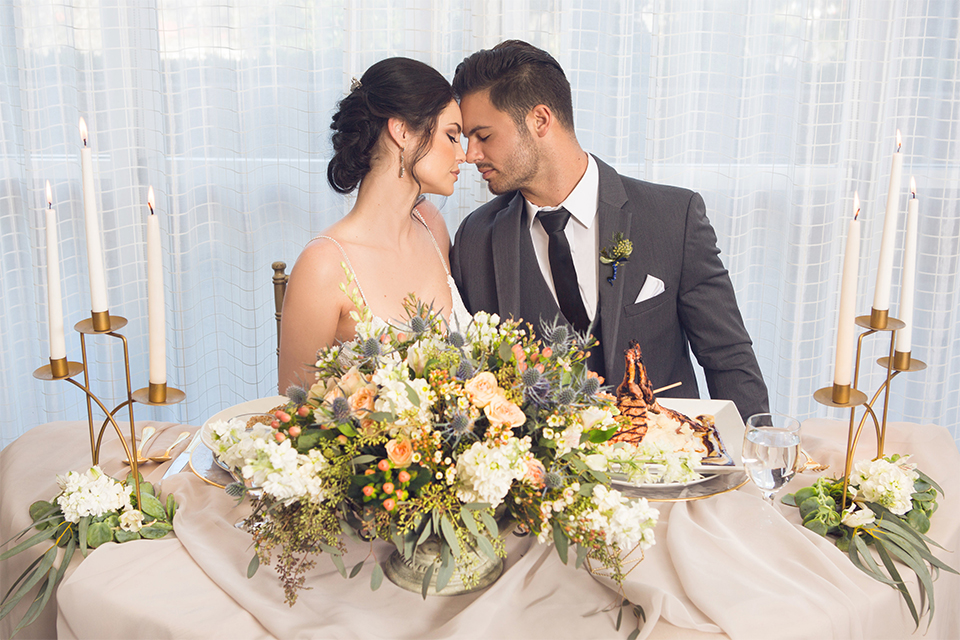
<point>729,426</point>
<point>248,409</point>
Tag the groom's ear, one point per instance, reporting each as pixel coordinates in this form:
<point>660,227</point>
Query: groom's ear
<point>540,120</point>
<point>397,130</point>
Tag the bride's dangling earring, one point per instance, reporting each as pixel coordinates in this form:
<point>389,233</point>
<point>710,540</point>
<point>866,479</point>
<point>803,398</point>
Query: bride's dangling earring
<point>402,169</point>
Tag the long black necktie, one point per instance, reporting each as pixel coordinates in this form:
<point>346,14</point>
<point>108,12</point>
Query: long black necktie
<point>561,266</point>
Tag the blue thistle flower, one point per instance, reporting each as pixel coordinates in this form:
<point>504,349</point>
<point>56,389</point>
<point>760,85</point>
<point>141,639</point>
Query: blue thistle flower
<point>418,324</point>
<point>590,386</point>
<point>564,396</point>
<point>370,348</point>
<point>340,409</point>
<point>456,339</point>
<point>464,370</point>
<point>553,479</point>
<point>459,427</point>
<point>530,377</point>
<point>538,393</point>
<point>297,394</point>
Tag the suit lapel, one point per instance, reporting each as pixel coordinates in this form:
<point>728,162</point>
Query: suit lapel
<point>614,217</point>
<point>506,257</point>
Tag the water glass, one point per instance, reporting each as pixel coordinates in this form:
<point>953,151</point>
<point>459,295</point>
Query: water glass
<point>771,446</point>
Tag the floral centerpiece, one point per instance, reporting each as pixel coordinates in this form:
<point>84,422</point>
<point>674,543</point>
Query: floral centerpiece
<point>419,430</point>
<point>91,509</point>
<point>890,504</point>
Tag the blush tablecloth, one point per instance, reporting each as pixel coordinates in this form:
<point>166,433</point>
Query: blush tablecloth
<point>727,566</point>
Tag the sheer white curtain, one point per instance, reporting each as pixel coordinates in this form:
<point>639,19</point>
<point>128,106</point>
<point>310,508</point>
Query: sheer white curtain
<point>776,111</point>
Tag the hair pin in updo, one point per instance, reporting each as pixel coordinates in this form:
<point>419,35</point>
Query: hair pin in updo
<point>354,84</point>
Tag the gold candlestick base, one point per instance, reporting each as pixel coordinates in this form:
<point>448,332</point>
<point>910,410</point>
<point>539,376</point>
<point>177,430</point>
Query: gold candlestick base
<point>878,318</point>
<point>826,396</point>
<point>902,361</point>
<point>889,323</point>
<point>49,372</point>
<point>89,325</point>
<point>159,395</point>
<point>100,320</point>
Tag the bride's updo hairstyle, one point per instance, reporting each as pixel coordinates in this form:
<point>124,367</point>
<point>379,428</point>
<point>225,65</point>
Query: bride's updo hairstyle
<point>393,88</point>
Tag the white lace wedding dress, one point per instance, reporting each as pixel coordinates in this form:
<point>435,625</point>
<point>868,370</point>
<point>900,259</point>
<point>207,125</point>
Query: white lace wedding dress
<point>458,317</point>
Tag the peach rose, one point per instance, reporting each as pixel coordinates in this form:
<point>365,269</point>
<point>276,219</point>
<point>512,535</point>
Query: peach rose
<point>482,388</point>
<point>400,453</point>
<point>351,381</point>
<point>361,401</point>
<point>500,411</point>
<point>535,473</point>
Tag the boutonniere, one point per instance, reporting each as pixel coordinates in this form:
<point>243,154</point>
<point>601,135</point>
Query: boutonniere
<point>616,254</point>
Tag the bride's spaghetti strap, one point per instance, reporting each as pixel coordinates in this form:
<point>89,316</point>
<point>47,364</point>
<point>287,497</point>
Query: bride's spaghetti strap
<point>346,259</point>
<point>435,245</point>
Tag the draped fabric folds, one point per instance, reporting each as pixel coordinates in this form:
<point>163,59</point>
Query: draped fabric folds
<point>775,110</point>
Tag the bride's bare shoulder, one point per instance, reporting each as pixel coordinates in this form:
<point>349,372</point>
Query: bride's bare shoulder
<point>320,262</point>
<point>435,221</point>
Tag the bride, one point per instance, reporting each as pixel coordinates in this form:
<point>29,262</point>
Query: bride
<point>396,137</point>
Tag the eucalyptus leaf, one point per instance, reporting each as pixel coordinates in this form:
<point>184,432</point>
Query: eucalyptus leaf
<point>425,585</point>
<point>347,429</point>
<point>926,581</point>
<point>446,568</point>
<point>337,560</point>
<point>490,523</point>
<point>46,534</point>
<point>633,634</point>
<point>467,518</point>
<point>427,530</point>
<point>146,489</point>
<point>487,548</point>
<point>788,500</point>
<point>16,583</point>
<point>413,396</point>
<point>356,569</point>
<point>126,536</point>
<point>41,509</point>
<point>561,541</point>
<point>858,549</point>
<point>38,574</point>
<point>930,481</point>
<point>582,552</point>
<point>150,505</point>
<point>171,508</point>
<point>476,506</point>
<point>363,459</point>
<point>376,579</point>
<point>253,566</point>
<point>82,534</point>
<point>450,534</point>
<point>155,531</point>
<point>900,586</point>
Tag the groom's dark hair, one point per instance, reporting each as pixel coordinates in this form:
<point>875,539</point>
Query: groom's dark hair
<point>519,76</point>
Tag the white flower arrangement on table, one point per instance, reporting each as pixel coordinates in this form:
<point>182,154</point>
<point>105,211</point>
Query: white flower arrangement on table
<point>91,509</point>
<point>419,430</point>
<point>890,504</point>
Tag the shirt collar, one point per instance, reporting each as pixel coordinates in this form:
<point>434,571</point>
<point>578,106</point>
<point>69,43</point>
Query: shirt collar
<point>582,201</point>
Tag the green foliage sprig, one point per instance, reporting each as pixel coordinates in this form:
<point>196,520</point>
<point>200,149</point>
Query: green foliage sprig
<point>891,536</point>
<point>89,532</point>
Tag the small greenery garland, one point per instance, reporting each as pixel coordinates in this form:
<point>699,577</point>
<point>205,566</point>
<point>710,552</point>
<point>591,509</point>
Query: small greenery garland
<point>149,519</point>
<point>893,536</point>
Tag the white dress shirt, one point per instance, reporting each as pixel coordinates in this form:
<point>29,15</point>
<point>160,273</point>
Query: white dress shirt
<point>582,231</point>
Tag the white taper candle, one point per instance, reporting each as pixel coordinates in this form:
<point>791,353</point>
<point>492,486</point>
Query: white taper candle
<point>58,346</point>
<point>881,296</point>
<point>909,277</point>
<point>98,283</point>
<point>848,299</point>
<point>156,310</point>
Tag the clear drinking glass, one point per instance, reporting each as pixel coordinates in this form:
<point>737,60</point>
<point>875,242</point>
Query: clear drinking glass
<point>771,444</point>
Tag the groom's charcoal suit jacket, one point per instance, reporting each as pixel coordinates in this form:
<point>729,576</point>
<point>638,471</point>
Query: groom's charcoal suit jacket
<point>494,264</point>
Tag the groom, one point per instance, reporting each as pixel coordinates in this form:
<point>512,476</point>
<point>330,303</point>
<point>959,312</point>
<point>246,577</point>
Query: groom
<point>533,252</point>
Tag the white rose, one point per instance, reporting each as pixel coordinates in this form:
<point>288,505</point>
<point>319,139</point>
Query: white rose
<point>131,520</point>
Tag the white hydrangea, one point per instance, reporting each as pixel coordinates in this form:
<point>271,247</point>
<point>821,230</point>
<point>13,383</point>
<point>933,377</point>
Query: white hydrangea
<point>92,493</point>
<point>569,439</point>
<point>889,484</point>
<point>393,379</point>
<point>624,522</point>
<point>285,474</point>
<point>234,443</point>
<point>486,470</point>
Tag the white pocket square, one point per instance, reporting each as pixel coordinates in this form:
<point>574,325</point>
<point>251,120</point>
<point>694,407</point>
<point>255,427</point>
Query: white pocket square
<point>652,286</point>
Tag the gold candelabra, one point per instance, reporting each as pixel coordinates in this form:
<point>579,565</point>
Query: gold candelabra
<point>845,396</point>
<point>102,323</point>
